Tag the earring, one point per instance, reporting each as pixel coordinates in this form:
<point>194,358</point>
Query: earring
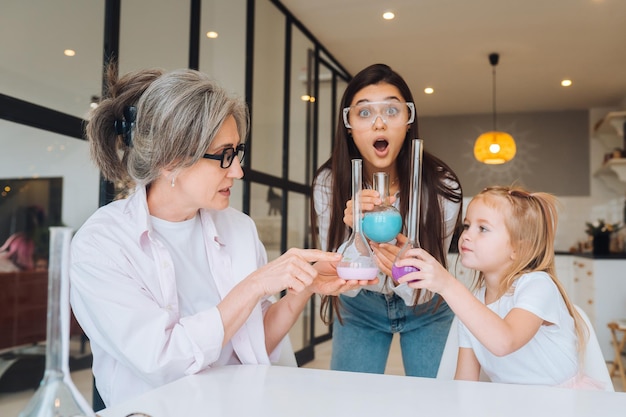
<point>173,181</point>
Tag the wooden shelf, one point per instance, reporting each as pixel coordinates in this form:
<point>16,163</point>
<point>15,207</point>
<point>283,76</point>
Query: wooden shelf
<point>615,166</point>
<point>610,130</point>
<point>613,173</point>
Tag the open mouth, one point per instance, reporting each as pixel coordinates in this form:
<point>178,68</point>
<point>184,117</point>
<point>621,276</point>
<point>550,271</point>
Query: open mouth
<point>381,145</point>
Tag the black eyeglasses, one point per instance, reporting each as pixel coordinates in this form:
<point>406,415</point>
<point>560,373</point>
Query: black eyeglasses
<point>228,155</point>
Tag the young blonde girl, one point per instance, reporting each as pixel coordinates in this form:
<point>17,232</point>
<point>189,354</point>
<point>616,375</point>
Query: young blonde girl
<point>519,325</point>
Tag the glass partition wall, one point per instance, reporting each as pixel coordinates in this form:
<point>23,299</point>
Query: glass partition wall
<point>259,51</point>
<point>293,110</point>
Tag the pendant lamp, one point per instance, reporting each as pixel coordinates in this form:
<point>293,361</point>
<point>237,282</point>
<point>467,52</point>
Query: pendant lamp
<point>494,147</point>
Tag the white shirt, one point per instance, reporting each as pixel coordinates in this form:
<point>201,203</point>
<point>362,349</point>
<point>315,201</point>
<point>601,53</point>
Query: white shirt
<point>550,357</point>
<point>196,287</point>
<point>322,198</point>
<point>125,295</point>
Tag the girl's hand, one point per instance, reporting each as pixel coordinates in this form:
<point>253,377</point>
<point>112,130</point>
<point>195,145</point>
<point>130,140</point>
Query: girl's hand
<point>431,275</point>
<point>369,200</point>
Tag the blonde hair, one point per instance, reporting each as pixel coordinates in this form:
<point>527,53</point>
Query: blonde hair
<point>531,220</point>
<point>178,115</point>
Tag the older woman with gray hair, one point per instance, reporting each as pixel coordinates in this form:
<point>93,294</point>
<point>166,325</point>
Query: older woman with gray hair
<point>170,280</point>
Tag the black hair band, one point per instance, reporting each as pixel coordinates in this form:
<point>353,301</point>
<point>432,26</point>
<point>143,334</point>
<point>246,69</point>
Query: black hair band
<point>125,126</point>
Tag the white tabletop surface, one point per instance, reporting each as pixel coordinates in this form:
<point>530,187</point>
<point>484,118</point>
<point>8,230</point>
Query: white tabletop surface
<point>276,391</point>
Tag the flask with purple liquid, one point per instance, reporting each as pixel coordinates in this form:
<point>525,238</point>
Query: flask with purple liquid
<point>357,261</point>
<point>414,211</point>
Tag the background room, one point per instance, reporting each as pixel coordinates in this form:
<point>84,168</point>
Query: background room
<point>291,61</point>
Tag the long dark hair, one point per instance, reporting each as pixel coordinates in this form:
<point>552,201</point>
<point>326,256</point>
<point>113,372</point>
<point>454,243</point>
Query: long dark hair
<point>438,179</point>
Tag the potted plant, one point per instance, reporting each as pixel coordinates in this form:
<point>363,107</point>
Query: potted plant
<point>600,231</point>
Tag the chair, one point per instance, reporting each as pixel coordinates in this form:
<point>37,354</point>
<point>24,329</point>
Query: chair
<point>447,366</point>
<point>618,345</point>
<point>595,365</point>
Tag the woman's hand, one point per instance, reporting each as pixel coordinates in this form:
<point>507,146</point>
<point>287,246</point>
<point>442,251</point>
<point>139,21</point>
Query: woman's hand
<point>329,283</point>
<point>369,200</point>
<point>291,271</point>
<point>386,253</point>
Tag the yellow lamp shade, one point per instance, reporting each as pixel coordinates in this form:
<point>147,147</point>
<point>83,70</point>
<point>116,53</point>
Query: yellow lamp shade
<point>494,148</point>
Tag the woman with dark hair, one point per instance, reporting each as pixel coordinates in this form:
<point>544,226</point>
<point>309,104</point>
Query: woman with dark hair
<point>377,124</point>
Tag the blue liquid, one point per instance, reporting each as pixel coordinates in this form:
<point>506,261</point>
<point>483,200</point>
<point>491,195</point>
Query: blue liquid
<point>381,226</point>
<point>399,271</point>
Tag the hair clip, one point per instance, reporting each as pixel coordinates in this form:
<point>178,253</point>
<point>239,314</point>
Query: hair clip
<point>125,126</point>
<point>520,194</point>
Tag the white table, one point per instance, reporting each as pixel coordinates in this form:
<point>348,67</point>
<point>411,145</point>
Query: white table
<point>276,391</point>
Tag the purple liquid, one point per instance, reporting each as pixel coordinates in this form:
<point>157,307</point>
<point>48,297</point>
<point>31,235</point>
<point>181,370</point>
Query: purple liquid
<point>348,273</point>
<point>399,271</point>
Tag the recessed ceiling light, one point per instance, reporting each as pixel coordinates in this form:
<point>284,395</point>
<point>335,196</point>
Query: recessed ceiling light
<point>212,35</point>
<point>566,83</point>
<point>69,52</point>
<point>429,90</point>
<point>388,15</point>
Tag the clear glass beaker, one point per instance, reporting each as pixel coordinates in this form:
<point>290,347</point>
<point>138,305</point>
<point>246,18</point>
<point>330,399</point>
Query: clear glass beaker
<point>57,395</point>
<point>357,258</point>
<point>384,222</point>
<point>414,211</point>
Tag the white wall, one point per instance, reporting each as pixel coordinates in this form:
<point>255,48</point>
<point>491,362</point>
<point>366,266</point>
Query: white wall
<point>33,153</point>
<point>604,203</point>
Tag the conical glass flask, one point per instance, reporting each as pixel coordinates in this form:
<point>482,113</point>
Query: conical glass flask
<point>414,211</point>
<point>384,222</point>
<point>57,396</point>
<point>357,261</point>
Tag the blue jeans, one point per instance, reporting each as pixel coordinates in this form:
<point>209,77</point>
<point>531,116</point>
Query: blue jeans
<point>370,319</point>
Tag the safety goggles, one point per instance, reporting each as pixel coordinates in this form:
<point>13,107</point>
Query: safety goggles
<point>392,113</point>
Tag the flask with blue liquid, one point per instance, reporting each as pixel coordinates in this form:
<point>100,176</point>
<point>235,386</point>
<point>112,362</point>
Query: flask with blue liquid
<point>384,222</point>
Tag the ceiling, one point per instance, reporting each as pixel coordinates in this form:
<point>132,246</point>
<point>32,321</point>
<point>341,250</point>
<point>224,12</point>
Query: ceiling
<point>445,44</point>
<point>442,44</point>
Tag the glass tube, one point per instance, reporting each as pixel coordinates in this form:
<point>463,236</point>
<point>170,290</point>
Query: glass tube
<point>57,395</point>
<point>357,260</point>
<point>384,222</point>
<point>414,211</point>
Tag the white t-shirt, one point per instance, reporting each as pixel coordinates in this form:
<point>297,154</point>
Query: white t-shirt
<point>195,283</point>
<point>550,357</point>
